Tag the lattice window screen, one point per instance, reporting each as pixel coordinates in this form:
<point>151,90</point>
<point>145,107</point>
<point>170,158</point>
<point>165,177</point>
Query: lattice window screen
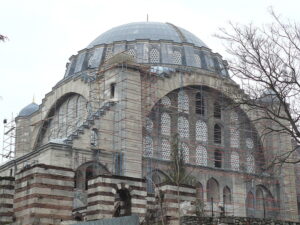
<point>108,54</point>
<point>183,127</point>
<point>166,149</point>
<point>235,161</point>
<point>149,125</point>
<point>201,155</point>
<point>132,52</point>
<point>166,102</point>
<point>197,60</point>
<point>201,131</point>
<point>186,152</point>
<point>177,58</point>
<point>165,124</point>
<point>250,163</point>
<point>154,56</point>
<point>148,146</point>
<point>183,102</point>
<point>234,130</point>
<point>249,143</point>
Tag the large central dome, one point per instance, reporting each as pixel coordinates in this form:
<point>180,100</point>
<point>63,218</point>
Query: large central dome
<point>147,30</point>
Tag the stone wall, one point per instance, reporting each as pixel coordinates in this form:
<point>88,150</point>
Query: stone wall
<point>193,220</point>
<point>43,195</point>
<point>6,199</point>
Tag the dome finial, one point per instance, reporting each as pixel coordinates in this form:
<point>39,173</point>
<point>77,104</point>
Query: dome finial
<point>147,17</point>
<point>33,100</point>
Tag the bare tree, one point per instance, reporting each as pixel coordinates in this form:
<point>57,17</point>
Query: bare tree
<point>266,62</point>
<point>3,38</point>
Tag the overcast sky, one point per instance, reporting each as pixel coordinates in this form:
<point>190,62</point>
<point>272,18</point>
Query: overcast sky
<point>43,34</point>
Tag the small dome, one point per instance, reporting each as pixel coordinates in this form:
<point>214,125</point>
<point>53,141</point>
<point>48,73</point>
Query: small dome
<point>29,109</point>
<point>147,30</point>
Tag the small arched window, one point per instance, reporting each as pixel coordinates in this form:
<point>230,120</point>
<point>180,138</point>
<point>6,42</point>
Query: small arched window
<point>250,164</point>
<point>235,161</point>
<point>148,146</point>
<point>183,127</point>
<point>201,156</point>
<point>177,58</point>
<point>199,191</point>
<point>185,150</point>
<point>218,158</point>
<point>166,149</point>
<point>197,60</point>
<point>217,110</point>
<point>165,124</point>
<point>94,137</point>
<point>132,52</point>
<point>200,105</point>
<point>183,102</point>
<point>227,195</point>
<point>217,134</point>
<point>166,102</point>
<point>201,131</point>
<point>154,56</point>
<point>213,192</point>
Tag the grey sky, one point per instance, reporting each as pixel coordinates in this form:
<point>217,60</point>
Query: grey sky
<point>43,34</point>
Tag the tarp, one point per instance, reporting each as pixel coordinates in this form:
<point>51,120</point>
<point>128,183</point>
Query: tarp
<point>125,220</point>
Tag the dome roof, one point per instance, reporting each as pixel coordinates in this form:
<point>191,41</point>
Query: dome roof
<point>29,109</point>
<point>149,31</point>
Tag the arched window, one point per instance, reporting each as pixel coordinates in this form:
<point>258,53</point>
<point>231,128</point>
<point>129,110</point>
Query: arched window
<point>235,161</point>
<point>234,130</point>
<point>209,62</point>
<point>154,56</point>
<point>217,134</point>
<point>109,53</point>
<point>201,155</point>
<point>149,125</point>
<point>250,204</point>
<point>249,143</point>
<point>186,152</point>
<point>250,164</point>
<point>199,191</point>
<point>183,102</point>
<point>177,58</point>
<point>217,110</point>
<point>148,146</point>
<point>260,204</point>
<point>218,158</point>
<point>201,131</point>
<point>94,137</point>
<point>166,149</point>
<point>132,52</point>
<point>227,195</point>
<point>213,192</point>
<point>183,127</point>
<point>166,102</point>
<point>200,105</point>
<point>165,124</point>
<point>197,60</point>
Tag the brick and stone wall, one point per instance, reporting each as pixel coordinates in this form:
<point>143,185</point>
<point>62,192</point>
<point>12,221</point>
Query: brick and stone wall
<point>6,199</point>
<point>43,195</point>
<point>102,192</point>
<point>193,220</point>
<point>169,196</point>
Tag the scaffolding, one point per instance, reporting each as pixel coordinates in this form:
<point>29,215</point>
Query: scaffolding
<point>9,135</point>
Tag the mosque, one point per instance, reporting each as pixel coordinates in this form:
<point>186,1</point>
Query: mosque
<point>100,144</point>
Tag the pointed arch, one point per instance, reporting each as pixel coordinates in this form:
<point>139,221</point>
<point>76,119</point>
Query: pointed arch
<point>227,195</point>
<point>199,191</point>
<point>213,191</point>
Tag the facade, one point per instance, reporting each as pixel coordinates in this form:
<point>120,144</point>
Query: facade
<point>100,143</point>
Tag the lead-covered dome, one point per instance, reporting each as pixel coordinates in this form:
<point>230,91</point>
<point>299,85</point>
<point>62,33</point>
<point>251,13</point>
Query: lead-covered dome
<point>149,43</point>
<point>29,109</point>
<point>149,31</point>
